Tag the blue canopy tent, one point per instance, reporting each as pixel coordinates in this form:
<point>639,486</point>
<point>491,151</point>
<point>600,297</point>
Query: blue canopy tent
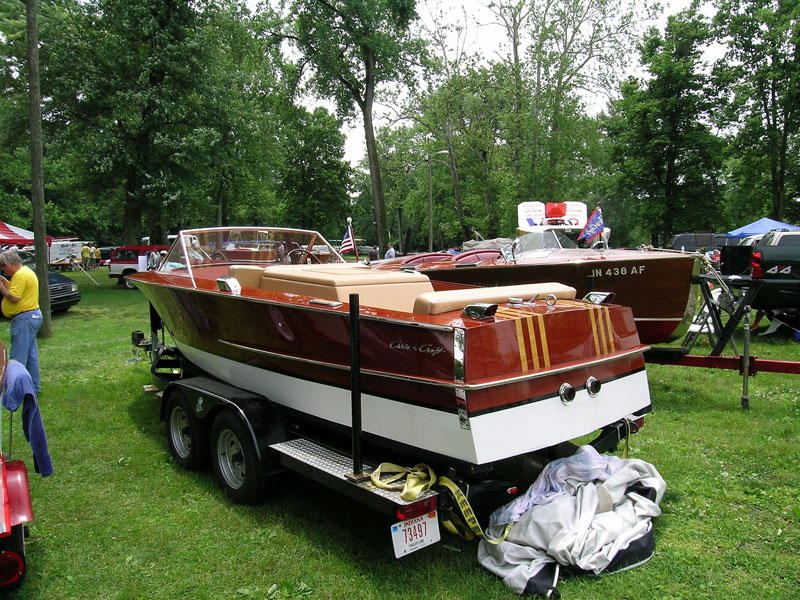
<point>761,226</point>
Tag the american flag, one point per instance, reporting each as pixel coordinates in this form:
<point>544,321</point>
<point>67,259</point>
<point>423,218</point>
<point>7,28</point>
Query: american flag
<point>348,244</point>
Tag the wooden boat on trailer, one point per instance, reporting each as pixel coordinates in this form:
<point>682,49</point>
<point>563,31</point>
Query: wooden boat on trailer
<point>656,285</point>
<point>463,379</point>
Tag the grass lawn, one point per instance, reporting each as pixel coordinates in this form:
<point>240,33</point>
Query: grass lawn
<point>119,519</point>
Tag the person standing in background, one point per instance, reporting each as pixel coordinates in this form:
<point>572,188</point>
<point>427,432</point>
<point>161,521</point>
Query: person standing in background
<point>21,305</point>
<point>389,252</point>
<point>85,257</point>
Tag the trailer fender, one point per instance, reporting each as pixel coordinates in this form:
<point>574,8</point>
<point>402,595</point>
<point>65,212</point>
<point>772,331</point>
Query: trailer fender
<point>19,494</point>
<point>259,415</point>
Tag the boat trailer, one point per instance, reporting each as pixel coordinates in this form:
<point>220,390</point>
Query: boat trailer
<point>446,499</point>
<point>734,295</point>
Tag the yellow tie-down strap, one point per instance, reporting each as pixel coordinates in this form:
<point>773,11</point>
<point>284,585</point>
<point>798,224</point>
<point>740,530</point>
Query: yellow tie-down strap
<point>412,482</point>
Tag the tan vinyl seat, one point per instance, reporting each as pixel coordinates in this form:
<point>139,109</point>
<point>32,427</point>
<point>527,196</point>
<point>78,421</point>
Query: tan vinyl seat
<point>247,275</point>
<point>434,303</point>
<point>390,290</point>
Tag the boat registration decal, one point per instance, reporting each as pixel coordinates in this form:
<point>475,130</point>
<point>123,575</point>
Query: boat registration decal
<point>618,271</point>
<point>529,338</point>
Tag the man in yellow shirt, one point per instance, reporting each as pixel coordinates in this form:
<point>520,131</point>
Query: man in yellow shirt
<point>85,255</point>
<point>21,305</point>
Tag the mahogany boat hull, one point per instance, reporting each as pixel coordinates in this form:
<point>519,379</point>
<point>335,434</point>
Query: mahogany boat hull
<point>657,286</point>
<point>471,391</point>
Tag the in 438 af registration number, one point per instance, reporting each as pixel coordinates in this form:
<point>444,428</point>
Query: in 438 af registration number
<point>618,271</point>
<point>413,534</point>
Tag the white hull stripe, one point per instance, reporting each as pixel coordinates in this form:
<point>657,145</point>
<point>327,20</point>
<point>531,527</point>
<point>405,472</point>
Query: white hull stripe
<point>492,436</point>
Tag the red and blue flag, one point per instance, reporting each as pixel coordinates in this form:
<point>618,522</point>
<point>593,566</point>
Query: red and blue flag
<point>594,226</point>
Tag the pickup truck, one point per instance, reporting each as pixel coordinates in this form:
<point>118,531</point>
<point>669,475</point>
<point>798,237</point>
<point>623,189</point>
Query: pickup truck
<point>778,268</point>
<point>125,261</point>
<point>774,262</point>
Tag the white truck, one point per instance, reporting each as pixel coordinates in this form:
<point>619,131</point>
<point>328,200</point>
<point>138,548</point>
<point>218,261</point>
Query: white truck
<point>65,254</point>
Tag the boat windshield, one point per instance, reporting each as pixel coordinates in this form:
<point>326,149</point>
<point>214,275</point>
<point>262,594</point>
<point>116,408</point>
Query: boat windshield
<point>247,245</point>
<point>548,239</point>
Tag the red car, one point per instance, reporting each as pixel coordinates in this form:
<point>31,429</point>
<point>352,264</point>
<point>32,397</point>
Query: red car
<point>125,261</point>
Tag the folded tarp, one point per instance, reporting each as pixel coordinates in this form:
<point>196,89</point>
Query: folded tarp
<point>588,513</point>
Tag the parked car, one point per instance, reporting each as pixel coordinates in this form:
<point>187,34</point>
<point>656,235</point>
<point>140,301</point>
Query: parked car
<point>105,255</point>
<point>751,240</point>
<point>64,292</point>
<point>780,237</point>
<point>701,241</point>
<point>125,261</point>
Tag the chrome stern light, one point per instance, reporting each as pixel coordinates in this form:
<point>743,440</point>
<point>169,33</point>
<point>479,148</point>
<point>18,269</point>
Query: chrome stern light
<point>599,297</point>
<point>479,310</point>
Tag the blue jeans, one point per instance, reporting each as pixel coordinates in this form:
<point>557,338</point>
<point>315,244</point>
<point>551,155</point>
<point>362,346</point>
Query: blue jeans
<point>24,328</point>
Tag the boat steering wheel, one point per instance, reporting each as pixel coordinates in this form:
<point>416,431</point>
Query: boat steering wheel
<point>305,256</point>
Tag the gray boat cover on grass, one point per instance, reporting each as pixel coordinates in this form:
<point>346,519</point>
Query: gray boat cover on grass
<point>581,513</point>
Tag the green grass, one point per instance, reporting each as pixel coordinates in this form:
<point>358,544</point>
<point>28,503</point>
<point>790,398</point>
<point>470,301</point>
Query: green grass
<point>119,519</point>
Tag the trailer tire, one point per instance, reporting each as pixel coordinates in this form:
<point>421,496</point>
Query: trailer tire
<point>234,459</point>
<point>187,435</point>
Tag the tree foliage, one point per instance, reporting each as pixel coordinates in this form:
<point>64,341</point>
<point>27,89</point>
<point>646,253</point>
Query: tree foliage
<point>760,74</point>
<point>668,161</point>
<point>165,114</point>
<point>355,46</point>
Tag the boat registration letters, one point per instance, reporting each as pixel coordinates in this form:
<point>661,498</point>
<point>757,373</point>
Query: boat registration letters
<point>413,534</point>
<point>617,271</point>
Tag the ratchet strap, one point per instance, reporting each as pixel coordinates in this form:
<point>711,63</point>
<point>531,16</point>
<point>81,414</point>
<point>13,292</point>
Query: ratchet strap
<point>411,482</point>
<point>471,528</point>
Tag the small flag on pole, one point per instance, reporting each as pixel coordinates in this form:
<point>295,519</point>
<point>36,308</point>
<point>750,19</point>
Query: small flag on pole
<point>594,226</point>
<point>348,241</point>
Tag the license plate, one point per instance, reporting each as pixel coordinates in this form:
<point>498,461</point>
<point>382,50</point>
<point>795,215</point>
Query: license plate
<point>413,534</point>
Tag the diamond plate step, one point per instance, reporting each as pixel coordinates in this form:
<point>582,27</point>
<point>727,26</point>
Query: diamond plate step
<point>331,468</point>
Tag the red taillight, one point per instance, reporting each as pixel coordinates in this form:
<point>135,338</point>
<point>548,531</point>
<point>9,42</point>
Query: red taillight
<point>12,565</point>
<point>422,507</point>
<point>756,265</point>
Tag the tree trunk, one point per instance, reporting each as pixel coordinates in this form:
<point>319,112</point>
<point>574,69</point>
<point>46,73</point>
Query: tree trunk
<point>451,161</point>
<point>131,212</point>
<point>379,202</point>
<point>37,172</point>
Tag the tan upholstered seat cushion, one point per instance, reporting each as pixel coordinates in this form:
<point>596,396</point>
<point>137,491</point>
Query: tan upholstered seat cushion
<point>391,290</point>
<point>247,275</point>
<point>434,303</point>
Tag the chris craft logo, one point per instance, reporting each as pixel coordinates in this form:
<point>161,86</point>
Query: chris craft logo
<point>424,349</point>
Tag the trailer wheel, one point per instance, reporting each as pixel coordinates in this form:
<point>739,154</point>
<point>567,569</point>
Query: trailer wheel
<point>235,460</point>
<point>187,436</point>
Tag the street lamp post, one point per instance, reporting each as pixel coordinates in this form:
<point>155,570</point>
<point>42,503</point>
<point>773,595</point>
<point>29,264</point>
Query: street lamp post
<point>429,158</point>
